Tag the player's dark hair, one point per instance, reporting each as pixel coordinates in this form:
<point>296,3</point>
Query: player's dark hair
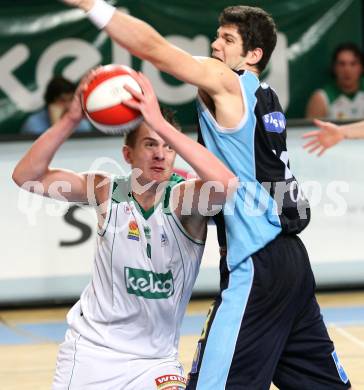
<point>56,87</point>
<point>256,28</point>
<point>168,115</point>
<point>347,46</point>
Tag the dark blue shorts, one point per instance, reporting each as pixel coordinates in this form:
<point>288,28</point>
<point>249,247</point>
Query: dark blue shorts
<point>275,333</point>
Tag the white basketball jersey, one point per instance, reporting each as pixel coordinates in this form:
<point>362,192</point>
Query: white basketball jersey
<point>144,270</point>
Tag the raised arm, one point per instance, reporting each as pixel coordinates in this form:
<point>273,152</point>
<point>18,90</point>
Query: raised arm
<point>208,167</point>
<point>192,200</point>
<point>144,42</point>
<point>33,172</point>
<point>331,134</point>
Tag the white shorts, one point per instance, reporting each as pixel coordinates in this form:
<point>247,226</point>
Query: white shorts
<point>84,365</point>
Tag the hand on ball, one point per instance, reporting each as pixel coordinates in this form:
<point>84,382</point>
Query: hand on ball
<point>145,102</point>
<point>75,112</point>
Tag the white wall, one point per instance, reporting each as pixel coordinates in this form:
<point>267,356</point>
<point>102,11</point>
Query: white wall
<point>34,264</point>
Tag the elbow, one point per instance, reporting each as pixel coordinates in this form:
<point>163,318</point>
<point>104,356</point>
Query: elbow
<point>17,178</point>
<point>154,51</point>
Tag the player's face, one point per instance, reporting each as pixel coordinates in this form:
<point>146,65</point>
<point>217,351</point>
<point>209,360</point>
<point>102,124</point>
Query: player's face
<point>228,47</point>
<point>151,155</point>
<point>348,70</point>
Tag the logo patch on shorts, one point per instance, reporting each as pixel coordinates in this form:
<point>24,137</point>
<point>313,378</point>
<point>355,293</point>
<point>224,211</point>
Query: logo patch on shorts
<point>133,233</point>
<point>171,382</point>
<point>340,368</point>
<point>148,284</point>
<point>274,122</point>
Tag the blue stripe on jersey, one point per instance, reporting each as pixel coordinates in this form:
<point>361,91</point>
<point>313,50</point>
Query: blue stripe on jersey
<point>220,345</point>
<point>251,218</point>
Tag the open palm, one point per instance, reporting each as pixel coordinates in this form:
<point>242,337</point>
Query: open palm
<point>323,139</point>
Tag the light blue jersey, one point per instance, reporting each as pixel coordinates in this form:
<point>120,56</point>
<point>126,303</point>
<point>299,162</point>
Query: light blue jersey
<point>252,220</point>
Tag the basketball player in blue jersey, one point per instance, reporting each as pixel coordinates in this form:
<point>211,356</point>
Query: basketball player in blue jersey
<point>124,331</point>
<point>265,324</point>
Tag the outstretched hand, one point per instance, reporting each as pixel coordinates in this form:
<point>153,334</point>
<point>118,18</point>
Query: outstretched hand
<point>145,102</point>
<point>321,140</point>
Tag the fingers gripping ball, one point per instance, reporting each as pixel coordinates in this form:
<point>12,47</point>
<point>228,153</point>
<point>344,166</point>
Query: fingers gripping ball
<point>103,98</point>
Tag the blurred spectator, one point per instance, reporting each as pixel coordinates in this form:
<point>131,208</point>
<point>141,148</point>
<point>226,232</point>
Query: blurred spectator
<point>58,97</point>
<point>343,97</point>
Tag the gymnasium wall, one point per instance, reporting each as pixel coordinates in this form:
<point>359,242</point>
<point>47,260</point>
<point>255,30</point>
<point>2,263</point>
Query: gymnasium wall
<point>47,246</point>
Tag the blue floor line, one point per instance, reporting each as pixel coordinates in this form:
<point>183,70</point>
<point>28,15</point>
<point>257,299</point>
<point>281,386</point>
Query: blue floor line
<point>52,332</point>
<point>9,337</point>
<point>25,333</point>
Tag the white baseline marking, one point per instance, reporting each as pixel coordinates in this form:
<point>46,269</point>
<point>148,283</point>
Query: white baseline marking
<point>348,335</point>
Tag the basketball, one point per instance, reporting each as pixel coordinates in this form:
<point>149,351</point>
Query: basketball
<point>102,101</point>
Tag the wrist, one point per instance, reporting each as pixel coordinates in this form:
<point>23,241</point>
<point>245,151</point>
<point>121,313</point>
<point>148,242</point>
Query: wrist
<point>68,123</point>
<point>86,5</point>
<point>161,127</point>
<point>344,131</point>
<point>99,12</point>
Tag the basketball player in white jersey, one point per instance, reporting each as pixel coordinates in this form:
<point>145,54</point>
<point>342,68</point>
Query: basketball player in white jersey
<point>124,331</point>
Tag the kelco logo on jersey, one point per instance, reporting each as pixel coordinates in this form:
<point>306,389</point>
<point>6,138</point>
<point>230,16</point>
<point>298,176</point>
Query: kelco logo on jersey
<point>171,382</point>
<point>133,233</point>
<point>274,122</point>
<point>149,284</point>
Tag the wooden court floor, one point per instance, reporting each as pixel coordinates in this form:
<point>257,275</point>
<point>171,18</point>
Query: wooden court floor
<point>31,366</point>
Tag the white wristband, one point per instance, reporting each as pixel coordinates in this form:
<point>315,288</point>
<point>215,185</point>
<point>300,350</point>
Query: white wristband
<point>101,13</point>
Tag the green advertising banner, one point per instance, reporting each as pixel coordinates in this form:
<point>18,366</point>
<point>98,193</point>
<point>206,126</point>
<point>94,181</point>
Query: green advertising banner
<point>40,38</point>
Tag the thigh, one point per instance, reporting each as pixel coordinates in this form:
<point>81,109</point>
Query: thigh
<point>309,360</point>
<point>84,365</point>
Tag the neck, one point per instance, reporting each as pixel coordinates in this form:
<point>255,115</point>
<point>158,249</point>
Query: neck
<point>150,197</point>
<point>248,67</point>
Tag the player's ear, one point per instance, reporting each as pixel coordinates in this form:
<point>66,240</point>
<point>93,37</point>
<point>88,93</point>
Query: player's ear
<point>127,153</point>
<point>254,56</point>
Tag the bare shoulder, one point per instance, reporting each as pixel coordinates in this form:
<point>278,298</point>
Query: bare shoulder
<point>317,105</point>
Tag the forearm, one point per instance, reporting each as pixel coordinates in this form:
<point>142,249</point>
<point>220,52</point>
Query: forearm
<point>138,37</point>
<point>353,131</point>
<point>35,163</point>
<point>207,166</point>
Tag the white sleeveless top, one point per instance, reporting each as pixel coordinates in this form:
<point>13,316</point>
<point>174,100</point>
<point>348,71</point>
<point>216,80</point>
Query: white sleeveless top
<point>144,269</point>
